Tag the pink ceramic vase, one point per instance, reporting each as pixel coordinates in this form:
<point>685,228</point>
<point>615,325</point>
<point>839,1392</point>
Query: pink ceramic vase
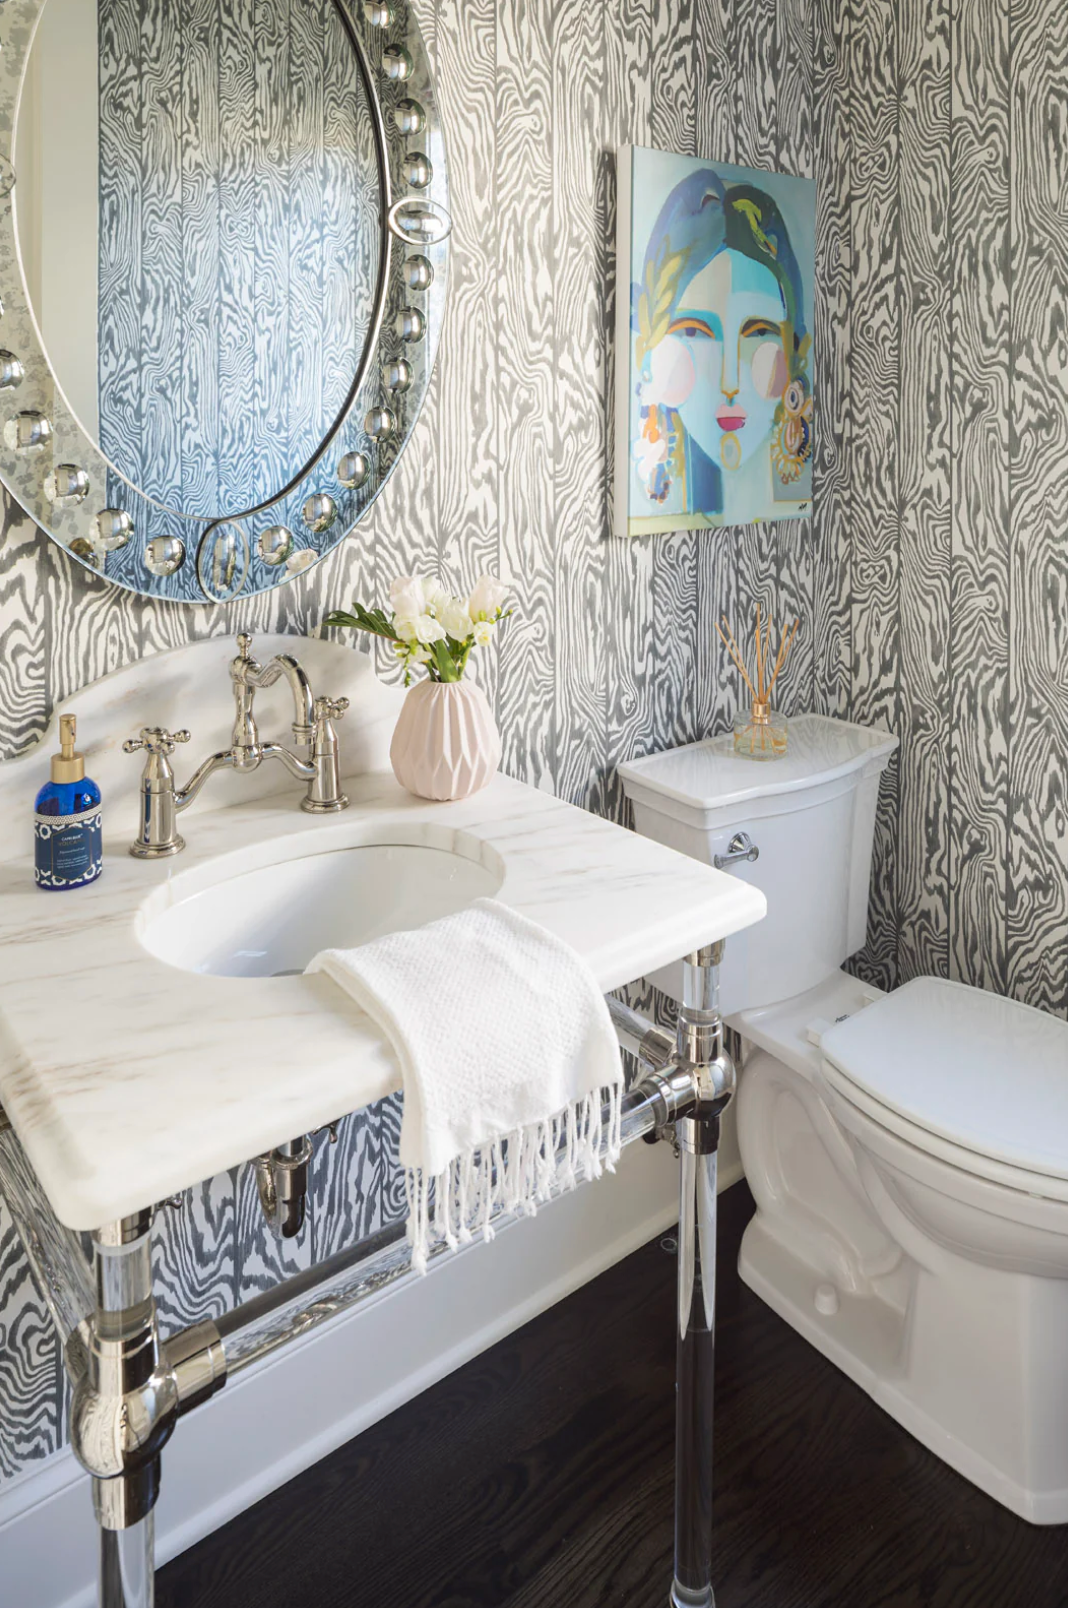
<point>446,743</point>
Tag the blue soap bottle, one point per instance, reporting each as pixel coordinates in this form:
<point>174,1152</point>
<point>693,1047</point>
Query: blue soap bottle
<point>68,851</point>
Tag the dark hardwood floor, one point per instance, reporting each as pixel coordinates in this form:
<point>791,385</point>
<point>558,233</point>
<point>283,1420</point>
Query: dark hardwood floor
<point>540,1476</point>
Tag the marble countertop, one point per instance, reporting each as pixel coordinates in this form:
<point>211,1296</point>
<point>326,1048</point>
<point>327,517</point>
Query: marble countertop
<point>128,1080</point>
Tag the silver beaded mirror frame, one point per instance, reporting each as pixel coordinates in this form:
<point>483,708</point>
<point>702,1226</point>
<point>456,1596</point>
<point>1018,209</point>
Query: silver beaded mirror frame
<point>60,476</point>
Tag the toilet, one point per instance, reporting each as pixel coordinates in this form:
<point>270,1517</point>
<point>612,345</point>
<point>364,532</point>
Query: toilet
<point>908,1152</point>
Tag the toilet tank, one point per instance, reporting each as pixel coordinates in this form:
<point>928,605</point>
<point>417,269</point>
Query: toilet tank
<point>811,814</point>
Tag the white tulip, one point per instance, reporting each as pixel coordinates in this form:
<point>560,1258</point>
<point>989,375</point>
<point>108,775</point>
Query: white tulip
<point>406,597</point>
<point>429,630</point>
<point>487,598</point>
<point>456,620</point>
<point>406,627</point>
<point>483,633</point>
<point>435,596</point>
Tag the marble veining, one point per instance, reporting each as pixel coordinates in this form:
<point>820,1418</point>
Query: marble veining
<point>129,1080</point>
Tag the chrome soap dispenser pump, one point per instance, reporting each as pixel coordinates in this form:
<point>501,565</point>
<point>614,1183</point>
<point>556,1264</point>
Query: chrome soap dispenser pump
<point>68,851</point>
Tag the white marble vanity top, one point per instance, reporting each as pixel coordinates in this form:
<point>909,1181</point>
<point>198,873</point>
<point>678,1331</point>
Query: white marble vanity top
<point>127,1080</point>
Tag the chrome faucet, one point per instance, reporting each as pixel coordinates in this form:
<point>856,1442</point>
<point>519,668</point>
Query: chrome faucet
<point>313,730</point>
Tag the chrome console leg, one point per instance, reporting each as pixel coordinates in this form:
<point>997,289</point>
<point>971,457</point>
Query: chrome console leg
<point>695,1362</point>
<point>700,1045</point>
<point>128,1566</point>
<point>123,1409</point>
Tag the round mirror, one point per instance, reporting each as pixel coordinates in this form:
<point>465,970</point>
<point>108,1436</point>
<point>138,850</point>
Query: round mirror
<point>223,264</point>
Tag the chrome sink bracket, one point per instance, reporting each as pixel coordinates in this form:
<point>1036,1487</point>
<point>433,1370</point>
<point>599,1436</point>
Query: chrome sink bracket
<point>313,731</point>
<point>282,1185</point>
<point>130,1388</point>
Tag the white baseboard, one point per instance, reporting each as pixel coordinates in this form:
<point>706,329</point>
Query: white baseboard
<point>278,1419</point>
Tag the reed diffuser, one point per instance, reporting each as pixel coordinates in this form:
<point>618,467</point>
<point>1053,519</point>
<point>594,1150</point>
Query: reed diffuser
<point>760,732</point>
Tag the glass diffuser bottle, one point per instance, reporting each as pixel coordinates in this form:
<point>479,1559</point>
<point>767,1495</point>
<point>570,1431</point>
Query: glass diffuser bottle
<point>760,732</point>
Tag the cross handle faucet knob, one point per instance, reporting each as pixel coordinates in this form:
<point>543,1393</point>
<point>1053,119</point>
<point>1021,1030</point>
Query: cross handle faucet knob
<point>330,708</point>
<point>154,740</point>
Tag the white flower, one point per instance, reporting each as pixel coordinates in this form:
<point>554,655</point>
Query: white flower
<point>406,597</point>
<point>487,598</point>
<point>483,633</point>
<point>456,620</point>
<point>435,596</point>
<point>406,627</point>
<point>419,655</point>
<point>429,630</point>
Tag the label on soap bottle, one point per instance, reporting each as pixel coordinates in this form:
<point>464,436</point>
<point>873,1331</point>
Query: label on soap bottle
<point>68,849</point>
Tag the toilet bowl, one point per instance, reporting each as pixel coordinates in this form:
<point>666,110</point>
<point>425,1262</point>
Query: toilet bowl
<point>908,1153</point>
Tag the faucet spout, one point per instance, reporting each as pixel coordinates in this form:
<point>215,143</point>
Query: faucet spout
<point>284,664</point>
<point>313,731</point>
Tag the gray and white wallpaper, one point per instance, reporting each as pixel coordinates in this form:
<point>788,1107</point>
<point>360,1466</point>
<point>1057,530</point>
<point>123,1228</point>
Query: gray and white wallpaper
<point>931,582</point>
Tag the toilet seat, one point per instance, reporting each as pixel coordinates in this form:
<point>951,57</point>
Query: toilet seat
<point>977,1080</point>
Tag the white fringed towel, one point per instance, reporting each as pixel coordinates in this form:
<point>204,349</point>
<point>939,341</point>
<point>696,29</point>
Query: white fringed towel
<point>508,1054</point>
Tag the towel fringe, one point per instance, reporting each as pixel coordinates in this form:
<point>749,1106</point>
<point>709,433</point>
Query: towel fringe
<point>515,1173</point>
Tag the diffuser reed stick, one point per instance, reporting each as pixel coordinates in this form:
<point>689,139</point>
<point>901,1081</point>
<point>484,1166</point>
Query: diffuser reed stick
<point>760,733</point>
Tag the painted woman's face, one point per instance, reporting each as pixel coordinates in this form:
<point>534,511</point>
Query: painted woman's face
<point>721,365</point>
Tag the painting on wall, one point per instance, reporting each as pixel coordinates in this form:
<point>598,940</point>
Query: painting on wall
<point>714,344</point>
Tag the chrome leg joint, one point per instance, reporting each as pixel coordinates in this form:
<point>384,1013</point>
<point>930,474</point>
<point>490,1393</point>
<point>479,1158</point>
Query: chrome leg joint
<point>699,1043</point>
<point>651,1045</point>
<point>125,1398</point>
<point>198,1361</point>
<point>124,1405</point>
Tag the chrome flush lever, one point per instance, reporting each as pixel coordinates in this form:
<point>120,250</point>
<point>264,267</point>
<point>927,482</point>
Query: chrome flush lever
<point>740,847</point>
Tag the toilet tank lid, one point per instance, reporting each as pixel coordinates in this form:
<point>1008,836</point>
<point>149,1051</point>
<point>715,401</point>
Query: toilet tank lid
<point>709,774</point>
<point>986,1073</point>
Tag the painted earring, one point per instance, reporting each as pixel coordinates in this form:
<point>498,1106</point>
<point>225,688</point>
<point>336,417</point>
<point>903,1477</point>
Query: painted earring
<point>792,443</point>
<point>655,428</point>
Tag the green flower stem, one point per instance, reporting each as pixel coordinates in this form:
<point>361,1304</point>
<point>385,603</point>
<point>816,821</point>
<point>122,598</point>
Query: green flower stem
<point>443,661</point>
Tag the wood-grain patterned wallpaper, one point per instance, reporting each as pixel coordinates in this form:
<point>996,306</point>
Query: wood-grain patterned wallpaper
<point>238,245</point>
<point>507,471</point>
<point>932,579</point>
<point>948,597</point>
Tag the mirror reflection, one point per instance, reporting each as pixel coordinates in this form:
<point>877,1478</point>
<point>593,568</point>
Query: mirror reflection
<point>199,222</point>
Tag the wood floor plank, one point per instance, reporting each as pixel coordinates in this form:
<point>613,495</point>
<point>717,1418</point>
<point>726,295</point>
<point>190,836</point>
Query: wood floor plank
<point>541,1476</point>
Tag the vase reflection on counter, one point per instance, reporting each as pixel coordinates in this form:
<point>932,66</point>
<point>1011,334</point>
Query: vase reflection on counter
<point>446,744</point>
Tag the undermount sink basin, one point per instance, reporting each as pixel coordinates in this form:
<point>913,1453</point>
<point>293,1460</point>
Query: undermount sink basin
<point>271,921</point>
